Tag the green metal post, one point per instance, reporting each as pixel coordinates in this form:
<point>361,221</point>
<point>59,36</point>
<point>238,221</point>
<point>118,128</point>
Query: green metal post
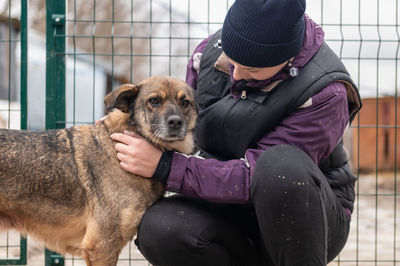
<point>23,252</point>
<point>55,64</point>
<point>53,259</point>
<point>55,81</point>
<point>24,64</point>
<point>24,98</point>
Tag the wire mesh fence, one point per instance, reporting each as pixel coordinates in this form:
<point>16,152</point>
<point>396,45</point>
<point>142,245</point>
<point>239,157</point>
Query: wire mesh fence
<point>106,43</point>
<point>13,45</point>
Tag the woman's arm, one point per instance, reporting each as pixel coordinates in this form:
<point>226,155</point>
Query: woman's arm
<point>316,128</point>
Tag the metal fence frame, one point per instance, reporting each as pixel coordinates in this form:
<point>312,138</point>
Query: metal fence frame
<point>23,40</point>
<point>59,54</point>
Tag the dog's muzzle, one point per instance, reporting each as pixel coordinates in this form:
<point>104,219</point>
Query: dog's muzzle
<point>176,127</point>
<point>174,122</point>
<point>171,128</point>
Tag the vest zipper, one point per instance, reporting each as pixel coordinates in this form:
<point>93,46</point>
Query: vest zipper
<point>244,95</point>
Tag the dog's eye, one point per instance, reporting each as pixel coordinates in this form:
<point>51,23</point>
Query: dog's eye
<point>185,103</point>
<point>155,101</point>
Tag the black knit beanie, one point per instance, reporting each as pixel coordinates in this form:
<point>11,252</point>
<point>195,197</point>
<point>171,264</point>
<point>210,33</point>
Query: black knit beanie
<point>263,33</point>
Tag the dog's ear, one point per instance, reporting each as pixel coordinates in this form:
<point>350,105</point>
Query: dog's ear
<point>122,98</point>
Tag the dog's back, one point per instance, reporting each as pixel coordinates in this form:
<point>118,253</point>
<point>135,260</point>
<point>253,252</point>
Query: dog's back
<point>33,166</point>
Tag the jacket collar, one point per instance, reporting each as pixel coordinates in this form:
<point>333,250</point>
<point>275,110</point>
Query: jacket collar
<point>313,39</point>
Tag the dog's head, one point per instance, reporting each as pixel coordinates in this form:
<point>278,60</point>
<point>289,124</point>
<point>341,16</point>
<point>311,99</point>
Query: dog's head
<point>162,109</point>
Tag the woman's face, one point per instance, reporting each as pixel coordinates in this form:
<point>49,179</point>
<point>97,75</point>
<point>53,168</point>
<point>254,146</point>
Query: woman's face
<point>254,73</point>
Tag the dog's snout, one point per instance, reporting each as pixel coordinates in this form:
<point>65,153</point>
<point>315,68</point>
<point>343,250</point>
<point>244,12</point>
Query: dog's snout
<point>174,122</point>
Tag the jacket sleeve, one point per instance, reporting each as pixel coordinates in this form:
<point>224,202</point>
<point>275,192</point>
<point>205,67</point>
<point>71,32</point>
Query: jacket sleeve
<point>315,128</point>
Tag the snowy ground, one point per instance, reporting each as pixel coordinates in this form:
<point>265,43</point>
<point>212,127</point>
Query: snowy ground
<point>374,238</point>
<point>375,229</point>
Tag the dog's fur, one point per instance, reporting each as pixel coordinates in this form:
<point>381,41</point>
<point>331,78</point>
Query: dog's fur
<point>66,187</point>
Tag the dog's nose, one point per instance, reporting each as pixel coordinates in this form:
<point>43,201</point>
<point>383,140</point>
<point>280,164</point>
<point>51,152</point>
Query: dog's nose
<point>174,122</point>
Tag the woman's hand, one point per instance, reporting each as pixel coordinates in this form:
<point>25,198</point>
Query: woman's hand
<point>136,155</point>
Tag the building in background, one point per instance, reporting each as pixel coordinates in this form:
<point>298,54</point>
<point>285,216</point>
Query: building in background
<point>373,147</point>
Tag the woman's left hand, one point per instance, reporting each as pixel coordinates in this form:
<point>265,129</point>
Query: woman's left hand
<point>136,155</point>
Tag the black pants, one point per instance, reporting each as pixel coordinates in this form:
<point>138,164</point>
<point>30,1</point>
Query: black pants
<point>294,219</point>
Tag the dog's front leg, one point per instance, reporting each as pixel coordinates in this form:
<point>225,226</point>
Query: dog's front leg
<point>89,242</point>
<point>93,258</point>
<point>98,251</point>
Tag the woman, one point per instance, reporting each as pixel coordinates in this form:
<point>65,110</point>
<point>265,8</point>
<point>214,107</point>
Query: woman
<point>272,184</point>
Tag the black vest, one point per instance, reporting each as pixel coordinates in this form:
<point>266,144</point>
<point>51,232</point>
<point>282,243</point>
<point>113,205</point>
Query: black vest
<point>227,126</point>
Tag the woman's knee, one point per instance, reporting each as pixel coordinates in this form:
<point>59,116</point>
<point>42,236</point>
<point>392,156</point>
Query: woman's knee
<point>178,225</point>
<point>158,232</point>
<point>281,169</point>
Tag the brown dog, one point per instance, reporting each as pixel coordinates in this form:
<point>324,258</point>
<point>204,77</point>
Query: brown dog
<point>66,187</point>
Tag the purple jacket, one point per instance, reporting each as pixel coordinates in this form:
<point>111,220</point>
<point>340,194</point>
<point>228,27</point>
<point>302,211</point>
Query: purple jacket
<point>316,127</point>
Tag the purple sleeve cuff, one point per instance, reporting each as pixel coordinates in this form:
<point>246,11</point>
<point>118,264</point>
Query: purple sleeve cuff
<point>178,168</point>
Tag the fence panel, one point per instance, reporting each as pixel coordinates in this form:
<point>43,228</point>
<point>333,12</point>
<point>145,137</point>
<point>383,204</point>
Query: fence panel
<point>93,46</point>
<point>13,100</point>
<point>126,41</point>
